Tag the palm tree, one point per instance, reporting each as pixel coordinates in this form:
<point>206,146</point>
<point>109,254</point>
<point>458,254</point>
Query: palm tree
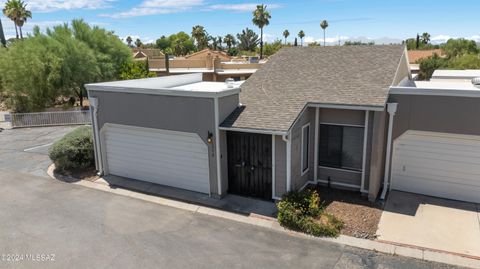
<point>129,41</point>
<point>261,18</point>
<point>217,43</point>
<point>247,40</point>
<point>16,10</point>
<point>138,43</point>
<point>199,34</point>
<point>324,25</point>
<point>425,38</point>
<point>286,33</point>
<point>23,17</point>
<point>230,41</point>
<point>301,35</point>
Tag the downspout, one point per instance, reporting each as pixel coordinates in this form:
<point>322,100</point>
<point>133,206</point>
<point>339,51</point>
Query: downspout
<point>315,150</point>
<point>287,139</point>
<point>392,109</point>
<point>217,146</point>
<point>98,154</point>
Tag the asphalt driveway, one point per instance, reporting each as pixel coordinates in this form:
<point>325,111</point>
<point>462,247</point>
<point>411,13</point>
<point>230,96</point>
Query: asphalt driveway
<point>26,150</point>
<point>431,222</point>
<point>86,228</point>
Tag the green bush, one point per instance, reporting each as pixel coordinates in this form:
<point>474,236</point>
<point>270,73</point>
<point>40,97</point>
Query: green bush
<point>74,151</point>
<point>302,211</point>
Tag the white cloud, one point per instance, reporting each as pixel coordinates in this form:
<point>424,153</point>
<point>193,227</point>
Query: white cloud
<point>475,38</point>
<point>145,40</point>
<point>55,5</point>
<point>153,7</point>
<point>328,40</point>
<point>241,7</point>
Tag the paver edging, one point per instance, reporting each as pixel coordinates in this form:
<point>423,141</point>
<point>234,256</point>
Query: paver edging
<point>387,247</point>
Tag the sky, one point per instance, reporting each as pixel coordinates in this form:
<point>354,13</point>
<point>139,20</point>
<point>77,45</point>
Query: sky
<point>382,21</point>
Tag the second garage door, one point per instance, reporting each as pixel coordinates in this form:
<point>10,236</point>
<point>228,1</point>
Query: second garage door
<point>163,157</point>
<point>437,164</point>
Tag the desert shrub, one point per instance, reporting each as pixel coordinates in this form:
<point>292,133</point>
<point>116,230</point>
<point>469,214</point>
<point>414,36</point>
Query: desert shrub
<point>74,151</point>
<point>302,211</point>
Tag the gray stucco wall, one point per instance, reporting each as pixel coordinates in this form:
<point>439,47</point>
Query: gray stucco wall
<point>342,116</point>
<point>186,114</point>
<point>299,180</point>
<point>445,114</point>
<point>377,155</point>
<point>280,166</point>
<point>225,106</point>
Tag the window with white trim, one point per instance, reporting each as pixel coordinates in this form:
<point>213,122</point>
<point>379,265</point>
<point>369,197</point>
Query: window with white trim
<point>341,146</point>
<point>305,148</point>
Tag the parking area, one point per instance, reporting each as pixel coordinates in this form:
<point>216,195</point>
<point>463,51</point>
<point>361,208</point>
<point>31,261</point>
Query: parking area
<point>431,222</point>
<point>25,150</point>
<point>86,228</point>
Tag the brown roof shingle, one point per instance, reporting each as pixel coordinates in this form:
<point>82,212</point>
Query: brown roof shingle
<point>273,97</point>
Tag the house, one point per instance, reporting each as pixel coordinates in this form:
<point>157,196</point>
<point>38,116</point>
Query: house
<point>416,55</point>
<point>350,117</point>
<point>200,55</point>
<point>213,65</point>
<point>455,75</point>
<point>147,53</point>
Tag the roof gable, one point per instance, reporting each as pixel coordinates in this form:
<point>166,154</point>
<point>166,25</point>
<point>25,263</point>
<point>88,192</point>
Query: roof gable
<point>273,97</point>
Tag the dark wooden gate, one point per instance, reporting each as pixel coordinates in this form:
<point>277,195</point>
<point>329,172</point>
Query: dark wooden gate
<point>250,164</point>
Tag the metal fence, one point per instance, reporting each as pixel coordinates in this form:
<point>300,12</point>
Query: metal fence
<point>50,118</point>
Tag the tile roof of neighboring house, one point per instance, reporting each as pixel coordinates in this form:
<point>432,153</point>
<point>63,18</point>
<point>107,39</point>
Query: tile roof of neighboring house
<point>415,55</point>
<point>150,53</point>
<point>214,53</point>
<point>274,96</point>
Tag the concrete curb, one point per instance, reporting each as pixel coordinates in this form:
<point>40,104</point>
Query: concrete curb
<point>271,223</point>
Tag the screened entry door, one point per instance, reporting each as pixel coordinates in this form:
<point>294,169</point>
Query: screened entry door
<point>250,164</point>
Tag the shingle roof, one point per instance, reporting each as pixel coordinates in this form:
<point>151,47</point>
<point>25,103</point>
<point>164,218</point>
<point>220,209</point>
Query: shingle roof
<point>273,97</point>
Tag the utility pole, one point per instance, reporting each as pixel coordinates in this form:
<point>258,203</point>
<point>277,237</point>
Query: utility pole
<point>2,35</point>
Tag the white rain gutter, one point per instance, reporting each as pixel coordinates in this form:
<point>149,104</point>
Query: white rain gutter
<point>392,109</point>
<point>98,153</point>
<point>287,139</point>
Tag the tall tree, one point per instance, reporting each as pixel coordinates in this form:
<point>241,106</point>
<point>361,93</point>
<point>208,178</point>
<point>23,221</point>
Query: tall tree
<point>24,15</point>
<point>138,43</point>
<point>10,10</point>
<point>301,35</point>
<point>324,25</point>
<point>286,33</point>
<point>425,38</point>
<point>199,34</point>
<point>247,40</point>
<point>16,10</point>
<point>261,18</point>
<point>129,41</point>
<point>417,42</point>
<point>229,41</point>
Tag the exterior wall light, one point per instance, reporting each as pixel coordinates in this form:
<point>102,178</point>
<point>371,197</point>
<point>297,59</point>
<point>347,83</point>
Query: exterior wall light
<point>210,138</point>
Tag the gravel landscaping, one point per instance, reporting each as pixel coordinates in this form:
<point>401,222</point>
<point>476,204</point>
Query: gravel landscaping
<point>360,216</point>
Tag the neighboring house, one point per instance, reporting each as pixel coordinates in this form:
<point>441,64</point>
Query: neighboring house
<point>348,117</point>
<point>201,55</point>
<point>147,53</point>
<point>455,75</point>
<point>416,55</point>
<point>208,63</point>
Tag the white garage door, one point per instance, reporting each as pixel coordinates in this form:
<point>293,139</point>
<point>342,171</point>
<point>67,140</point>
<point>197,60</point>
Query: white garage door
<point>437,164</point>
<point>164,157</point>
